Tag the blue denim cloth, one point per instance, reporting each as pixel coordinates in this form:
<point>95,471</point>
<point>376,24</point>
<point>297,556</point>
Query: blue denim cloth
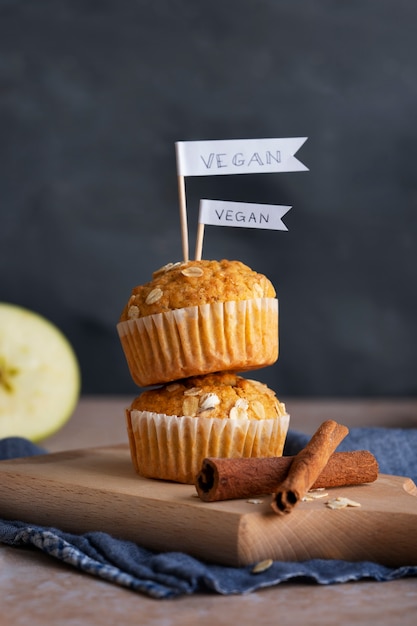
<point>172,574</point>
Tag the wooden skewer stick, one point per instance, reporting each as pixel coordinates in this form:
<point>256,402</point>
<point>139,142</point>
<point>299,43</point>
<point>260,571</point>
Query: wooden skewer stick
<point>183,218</point>
<point>199,242</point>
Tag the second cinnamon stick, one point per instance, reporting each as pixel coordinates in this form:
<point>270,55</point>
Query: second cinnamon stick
<point>308,465</point>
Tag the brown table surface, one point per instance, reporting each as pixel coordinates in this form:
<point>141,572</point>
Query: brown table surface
<point>36,590</point>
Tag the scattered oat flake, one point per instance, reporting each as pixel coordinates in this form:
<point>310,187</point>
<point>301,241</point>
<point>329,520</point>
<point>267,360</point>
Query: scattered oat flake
<point>190,406</point>
<point>238,413</point>
<point>315,496</point>
<point>154,295</point>
<point>254,501</point>
<point>258,408</point>
<point>208,401</point>
<point>262,566</point>
<point>133,312</point>
<point>166,268</point>
<point>193,391</point>
<point>172,387</point>
<point>341,503</point>
<point>239,410</point>
<point>192,271</point>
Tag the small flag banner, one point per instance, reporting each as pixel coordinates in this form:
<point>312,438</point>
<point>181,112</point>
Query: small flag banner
<point>242,214</point>
<point>238,156</point>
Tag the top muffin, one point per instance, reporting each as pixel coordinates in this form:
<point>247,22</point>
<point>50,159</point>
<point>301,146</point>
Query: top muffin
<point>198,317</point>
<point>184,284</point>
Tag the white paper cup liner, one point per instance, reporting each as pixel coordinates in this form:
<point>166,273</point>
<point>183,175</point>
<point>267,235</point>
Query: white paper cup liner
<point>173,448</point>
<point>198,340</point>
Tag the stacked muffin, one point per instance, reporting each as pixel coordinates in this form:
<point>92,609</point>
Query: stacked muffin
<point>189,330</point>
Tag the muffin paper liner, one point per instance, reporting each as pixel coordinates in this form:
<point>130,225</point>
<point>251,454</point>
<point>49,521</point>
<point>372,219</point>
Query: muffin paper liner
<point>198,340</point>
<point>173,448</point>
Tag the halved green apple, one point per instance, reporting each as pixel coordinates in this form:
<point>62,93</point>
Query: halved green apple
<point>39,375</point>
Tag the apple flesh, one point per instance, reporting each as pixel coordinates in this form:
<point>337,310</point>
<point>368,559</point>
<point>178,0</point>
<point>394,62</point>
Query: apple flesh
<point>39,375</point>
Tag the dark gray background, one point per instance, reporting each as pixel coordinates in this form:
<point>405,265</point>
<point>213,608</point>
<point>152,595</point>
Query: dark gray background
<point>93,96</point>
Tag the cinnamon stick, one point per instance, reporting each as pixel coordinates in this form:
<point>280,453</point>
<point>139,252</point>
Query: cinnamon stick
<point>307,466</point>
<point>229,479</point>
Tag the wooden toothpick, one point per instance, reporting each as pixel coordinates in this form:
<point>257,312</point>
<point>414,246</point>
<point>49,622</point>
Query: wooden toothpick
<point>183,218</point>
<point>199,242</point>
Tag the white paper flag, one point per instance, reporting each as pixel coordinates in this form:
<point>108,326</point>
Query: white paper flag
<point>242,214</point>
<point>238,156</point>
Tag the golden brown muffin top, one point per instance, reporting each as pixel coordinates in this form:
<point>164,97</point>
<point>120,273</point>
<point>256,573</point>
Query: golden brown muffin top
<point>183,284</point>
<point>221,395</point>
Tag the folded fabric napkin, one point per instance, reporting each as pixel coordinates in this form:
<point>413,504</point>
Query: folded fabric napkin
<point>172,574</point>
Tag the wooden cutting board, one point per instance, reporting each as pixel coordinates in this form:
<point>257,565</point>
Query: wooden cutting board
<point>97,489</point>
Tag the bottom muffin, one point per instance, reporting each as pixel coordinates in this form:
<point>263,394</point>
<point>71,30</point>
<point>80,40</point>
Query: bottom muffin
<point>173,428</point>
